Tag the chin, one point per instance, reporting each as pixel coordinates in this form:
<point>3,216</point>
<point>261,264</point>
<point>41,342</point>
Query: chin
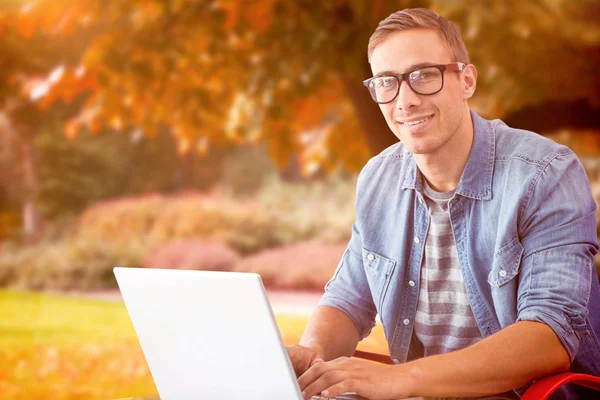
<point>421,148</point>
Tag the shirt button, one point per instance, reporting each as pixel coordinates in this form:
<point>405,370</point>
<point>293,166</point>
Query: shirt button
<point>406,321</point>
<point>370,257</point>
<point>502,273</point>
<point>417,241</point>
<point>411,283</point>
<point>396,361</point>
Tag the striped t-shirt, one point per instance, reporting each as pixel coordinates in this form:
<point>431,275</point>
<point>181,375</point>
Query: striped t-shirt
<point>444,320</point>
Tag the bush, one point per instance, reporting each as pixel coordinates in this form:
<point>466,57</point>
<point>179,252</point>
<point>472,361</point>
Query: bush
<point>66,265</point>
<point>282,213</point>
<point>245,170</point>
<point>302,266</point>
<point>321,210</point>
<point>158,219</point>
<point>81,252</point>
<point>191,254</point>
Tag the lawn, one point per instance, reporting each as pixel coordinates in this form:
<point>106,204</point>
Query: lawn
<point>56,347</point>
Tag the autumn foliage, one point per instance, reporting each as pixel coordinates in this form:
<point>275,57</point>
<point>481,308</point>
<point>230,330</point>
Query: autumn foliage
<point>199,70</point>
<point>288,73</point>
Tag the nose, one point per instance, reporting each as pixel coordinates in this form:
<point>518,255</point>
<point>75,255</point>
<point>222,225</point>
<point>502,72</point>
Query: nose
<point>407,98</point>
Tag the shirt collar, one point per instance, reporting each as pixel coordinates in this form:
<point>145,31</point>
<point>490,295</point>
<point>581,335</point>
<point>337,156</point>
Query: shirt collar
<point>476,180</point>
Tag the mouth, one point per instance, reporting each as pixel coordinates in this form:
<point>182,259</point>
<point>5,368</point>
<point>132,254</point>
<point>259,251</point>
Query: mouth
<point>415,121</point>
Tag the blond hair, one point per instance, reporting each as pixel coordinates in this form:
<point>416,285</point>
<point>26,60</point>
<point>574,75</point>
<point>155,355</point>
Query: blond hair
<point>421,18</point>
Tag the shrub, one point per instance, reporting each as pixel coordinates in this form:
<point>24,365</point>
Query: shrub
<point>191,254</point>
<point>321,210</point>
<point>81,252</point>
<point>303,266</point>
<point>159,218</point>
<point>65,265</point>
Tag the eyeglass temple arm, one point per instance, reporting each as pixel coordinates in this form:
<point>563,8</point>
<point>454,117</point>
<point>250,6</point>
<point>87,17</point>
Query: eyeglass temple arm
<point>457,66</point>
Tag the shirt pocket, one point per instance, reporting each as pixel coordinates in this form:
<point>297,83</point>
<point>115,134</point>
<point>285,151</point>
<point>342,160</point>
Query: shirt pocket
<point>506,263</point>
<point>378,270</point>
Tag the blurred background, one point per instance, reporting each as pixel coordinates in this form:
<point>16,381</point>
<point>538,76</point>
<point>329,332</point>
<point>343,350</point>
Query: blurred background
<point>219,135</point>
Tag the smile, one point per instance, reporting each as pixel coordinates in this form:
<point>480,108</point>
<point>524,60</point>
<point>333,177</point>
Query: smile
<point>416,122</point>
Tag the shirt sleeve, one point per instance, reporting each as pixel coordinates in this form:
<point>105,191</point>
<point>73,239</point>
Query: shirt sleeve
<point>348,290</point>
<point>559,238</point>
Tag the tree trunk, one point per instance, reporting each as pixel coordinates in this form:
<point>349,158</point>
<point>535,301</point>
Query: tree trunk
<point>378,134</point>
<point>554,115</point>
<point>32,221</point>
<point>293,172</point>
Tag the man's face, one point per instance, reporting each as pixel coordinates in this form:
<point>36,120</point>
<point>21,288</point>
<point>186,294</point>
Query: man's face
<point>443,111</point>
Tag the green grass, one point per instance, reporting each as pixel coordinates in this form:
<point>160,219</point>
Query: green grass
<point>58,347</point>
<point>34,318</point>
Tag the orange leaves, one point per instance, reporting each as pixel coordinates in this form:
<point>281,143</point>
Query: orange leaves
<point>91,117</point>
<point>231,13</point>
<point>325,130</point>
<point>25,26</point>
<point>52,17</point>
<point>62,83</point>
<point>309,111</point>
<point>257,14</point>
<point>3,22</point>
<point>80,369</point>
<point>215,74</point>
<point>72,128</point>
<point>347,142</point>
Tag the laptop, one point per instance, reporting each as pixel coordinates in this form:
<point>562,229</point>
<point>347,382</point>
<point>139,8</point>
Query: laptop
<point>209,335</point>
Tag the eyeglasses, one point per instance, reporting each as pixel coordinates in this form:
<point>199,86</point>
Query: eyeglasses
<point>424,80</point>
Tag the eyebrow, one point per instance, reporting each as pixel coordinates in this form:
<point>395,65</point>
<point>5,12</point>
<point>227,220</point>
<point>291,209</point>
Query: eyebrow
<point>410,68</point>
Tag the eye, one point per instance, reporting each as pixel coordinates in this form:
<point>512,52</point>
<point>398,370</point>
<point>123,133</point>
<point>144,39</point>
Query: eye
<point>388,82</point>
<point>425,74</point>
<point>420,75</point>
<point>384,82</point>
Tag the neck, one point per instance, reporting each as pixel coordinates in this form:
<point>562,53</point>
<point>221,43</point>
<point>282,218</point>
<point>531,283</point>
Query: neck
<point>443,168</point>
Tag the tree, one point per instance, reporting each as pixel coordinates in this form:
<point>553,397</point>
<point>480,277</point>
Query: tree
<point>27,57</point>
<point>290,72</point>
<point>77,173</point>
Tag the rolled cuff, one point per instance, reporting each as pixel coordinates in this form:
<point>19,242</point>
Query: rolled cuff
<point>363,324</point>
<point>559,324</point>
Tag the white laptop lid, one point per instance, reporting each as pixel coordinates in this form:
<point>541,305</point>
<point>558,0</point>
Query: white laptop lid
<point>209,335</point>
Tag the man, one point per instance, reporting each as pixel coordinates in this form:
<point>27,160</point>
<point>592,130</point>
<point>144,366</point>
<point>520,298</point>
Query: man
<point>473,241</point>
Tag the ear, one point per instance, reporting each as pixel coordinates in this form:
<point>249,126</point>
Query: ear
<point>469,81</point>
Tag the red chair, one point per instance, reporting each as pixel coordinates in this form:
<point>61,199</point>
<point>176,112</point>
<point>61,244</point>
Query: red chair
<point>540,390</point>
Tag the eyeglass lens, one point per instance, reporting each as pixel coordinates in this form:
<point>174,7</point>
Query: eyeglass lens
<point>423,81</point>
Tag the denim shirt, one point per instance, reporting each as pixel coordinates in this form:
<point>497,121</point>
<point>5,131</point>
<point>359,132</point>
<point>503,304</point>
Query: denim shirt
<point>523,219</point>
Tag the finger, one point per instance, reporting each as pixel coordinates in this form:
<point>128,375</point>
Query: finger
<point>312,374</point>
<point>347,385</point>
<point>319,368</point>
<point>323,382</point>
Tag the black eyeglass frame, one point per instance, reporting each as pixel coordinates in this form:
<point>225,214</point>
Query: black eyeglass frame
<point>455,66</point>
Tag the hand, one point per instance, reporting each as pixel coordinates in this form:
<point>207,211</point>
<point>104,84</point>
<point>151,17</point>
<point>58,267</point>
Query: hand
<point>303,358</point>
<point>368,379</point>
